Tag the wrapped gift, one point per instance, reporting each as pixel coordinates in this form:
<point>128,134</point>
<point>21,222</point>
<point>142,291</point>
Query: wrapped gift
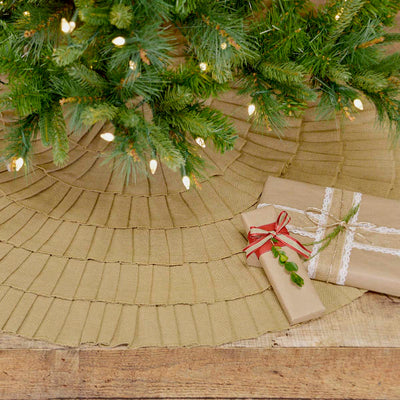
<point>365,254</point>
<point>266,229</point>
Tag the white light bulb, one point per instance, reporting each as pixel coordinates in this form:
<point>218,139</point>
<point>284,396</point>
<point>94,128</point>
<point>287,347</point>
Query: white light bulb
<point>27,13</point>
<point>203,66</point>
<point>15,164</point>
<point>153,166</point>
<point>251,109</point>
<point>72,26</point>
<point>224,45</point>
<point>186,182</point>
<point>107,136</point>
<point>200,141</point>
<point>65,25</point>
<point>132,65</point>
<point>19,163</point>
<point>358,104</point>
<point>119,41</point>
<point>337,17</point>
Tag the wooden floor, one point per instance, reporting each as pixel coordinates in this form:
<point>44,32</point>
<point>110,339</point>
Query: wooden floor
<point>353,353</point>
<point>203,373</point>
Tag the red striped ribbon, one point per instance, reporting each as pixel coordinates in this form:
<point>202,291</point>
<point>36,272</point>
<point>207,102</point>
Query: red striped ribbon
<point>260,238</point>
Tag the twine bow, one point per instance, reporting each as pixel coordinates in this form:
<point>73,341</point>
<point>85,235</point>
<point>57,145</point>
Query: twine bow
<point>344,223</point>
<point>339,225</point>
<point>260,238</point>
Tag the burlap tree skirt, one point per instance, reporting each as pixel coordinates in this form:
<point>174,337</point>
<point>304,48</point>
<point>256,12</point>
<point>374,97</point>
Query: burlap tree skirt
<point>86,258</point>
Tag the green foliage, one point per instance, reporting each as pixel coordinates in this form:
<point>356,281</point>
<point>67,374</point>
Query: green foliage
<point>97,113</point>
<point>340,228</point>
<point>283,55</point>
<point>289,266</point>
<point>53,132</point>
<point>121,16</point>
<point>217,37</point>
<point>67,55</point>
<point>20,137</point>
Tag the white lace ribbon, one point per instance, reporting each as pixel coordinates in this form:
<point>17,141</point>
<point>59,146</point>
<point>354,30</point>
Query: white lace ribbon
<point>349,242</point>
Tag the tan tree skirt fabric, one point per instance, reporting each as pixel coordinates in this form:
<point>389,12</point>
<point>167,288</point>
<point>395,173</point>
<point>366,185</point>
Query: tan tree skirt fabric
<point>86,258</point>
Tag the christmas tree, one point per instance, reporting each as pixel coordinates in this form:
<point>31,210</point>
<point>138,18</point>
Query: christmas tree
<point>87,61</point>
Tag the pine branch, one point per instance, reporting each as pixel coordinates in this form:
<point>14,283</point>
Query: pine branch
<point>370,81</point>
<point>98,113</point>
<point>288,73</point>
<point>346,12</point>
<point>282,55</point>
<point>67,55</point>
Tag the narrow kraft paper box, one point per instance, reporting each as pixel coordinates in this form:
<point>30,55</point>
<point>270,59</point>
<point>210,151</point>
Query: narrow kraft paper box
<point>300,304</point>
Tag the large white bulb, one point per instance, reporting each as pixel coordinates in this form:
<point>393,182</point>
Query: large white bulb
<point>119,41</point>
<point>65,27</point>
<point>203,66</point>
<point>251,109</point>
<point>200,141</point>
<point>358,104</point>
<point>72,26</point>
<point>186,182</point>
<point>107,136</point>
<point>19,163</point>
<point>153,166</point>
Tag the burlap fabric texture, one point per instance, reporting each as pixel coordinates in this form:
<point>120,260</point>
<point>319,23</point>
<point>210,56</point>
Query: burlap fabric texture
<point>85,258</point>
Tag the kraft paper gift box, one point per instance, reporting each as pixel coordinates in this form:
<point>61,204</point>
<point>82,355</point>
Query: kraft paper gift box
<point>365,255</point>
<point>300,304</point>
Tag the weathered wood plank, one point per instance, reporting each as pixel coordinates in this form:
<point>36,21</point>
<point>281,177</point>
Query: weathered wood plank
<point>201,373</point>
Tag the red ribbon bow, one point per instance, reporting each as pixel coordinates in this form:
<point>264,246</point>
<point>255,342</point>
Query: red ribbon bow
<point>260,238</point>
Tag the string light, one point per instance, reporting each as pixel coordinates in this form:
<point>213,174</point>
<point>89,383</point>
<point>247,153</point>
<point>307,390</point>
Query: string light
<point>153,166</point>
<point>186,182</point>
<point>339,14</point>
<point>16,164</point>
<point>224,45</point>
<point>19,162</point>
<point>132,65</point>
<point>65,25</point>
<point>200,141</point>
<point>358,104</point>
<point>118,41</point>
<point>107,136</point>
<point>203,66</point>
<point>27,13</point>
<point>251,109</point>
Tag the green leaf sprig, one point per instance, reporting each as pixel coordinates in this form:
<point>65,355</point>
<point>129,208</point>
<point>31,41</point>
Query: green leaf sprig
<point>290,266</point>
<point>339,228</point>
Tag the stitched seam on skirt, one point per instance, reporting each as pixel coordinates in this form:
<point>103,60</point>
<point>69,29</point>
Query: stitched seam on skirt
<point>245,208</point>
<point>136,304</point>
